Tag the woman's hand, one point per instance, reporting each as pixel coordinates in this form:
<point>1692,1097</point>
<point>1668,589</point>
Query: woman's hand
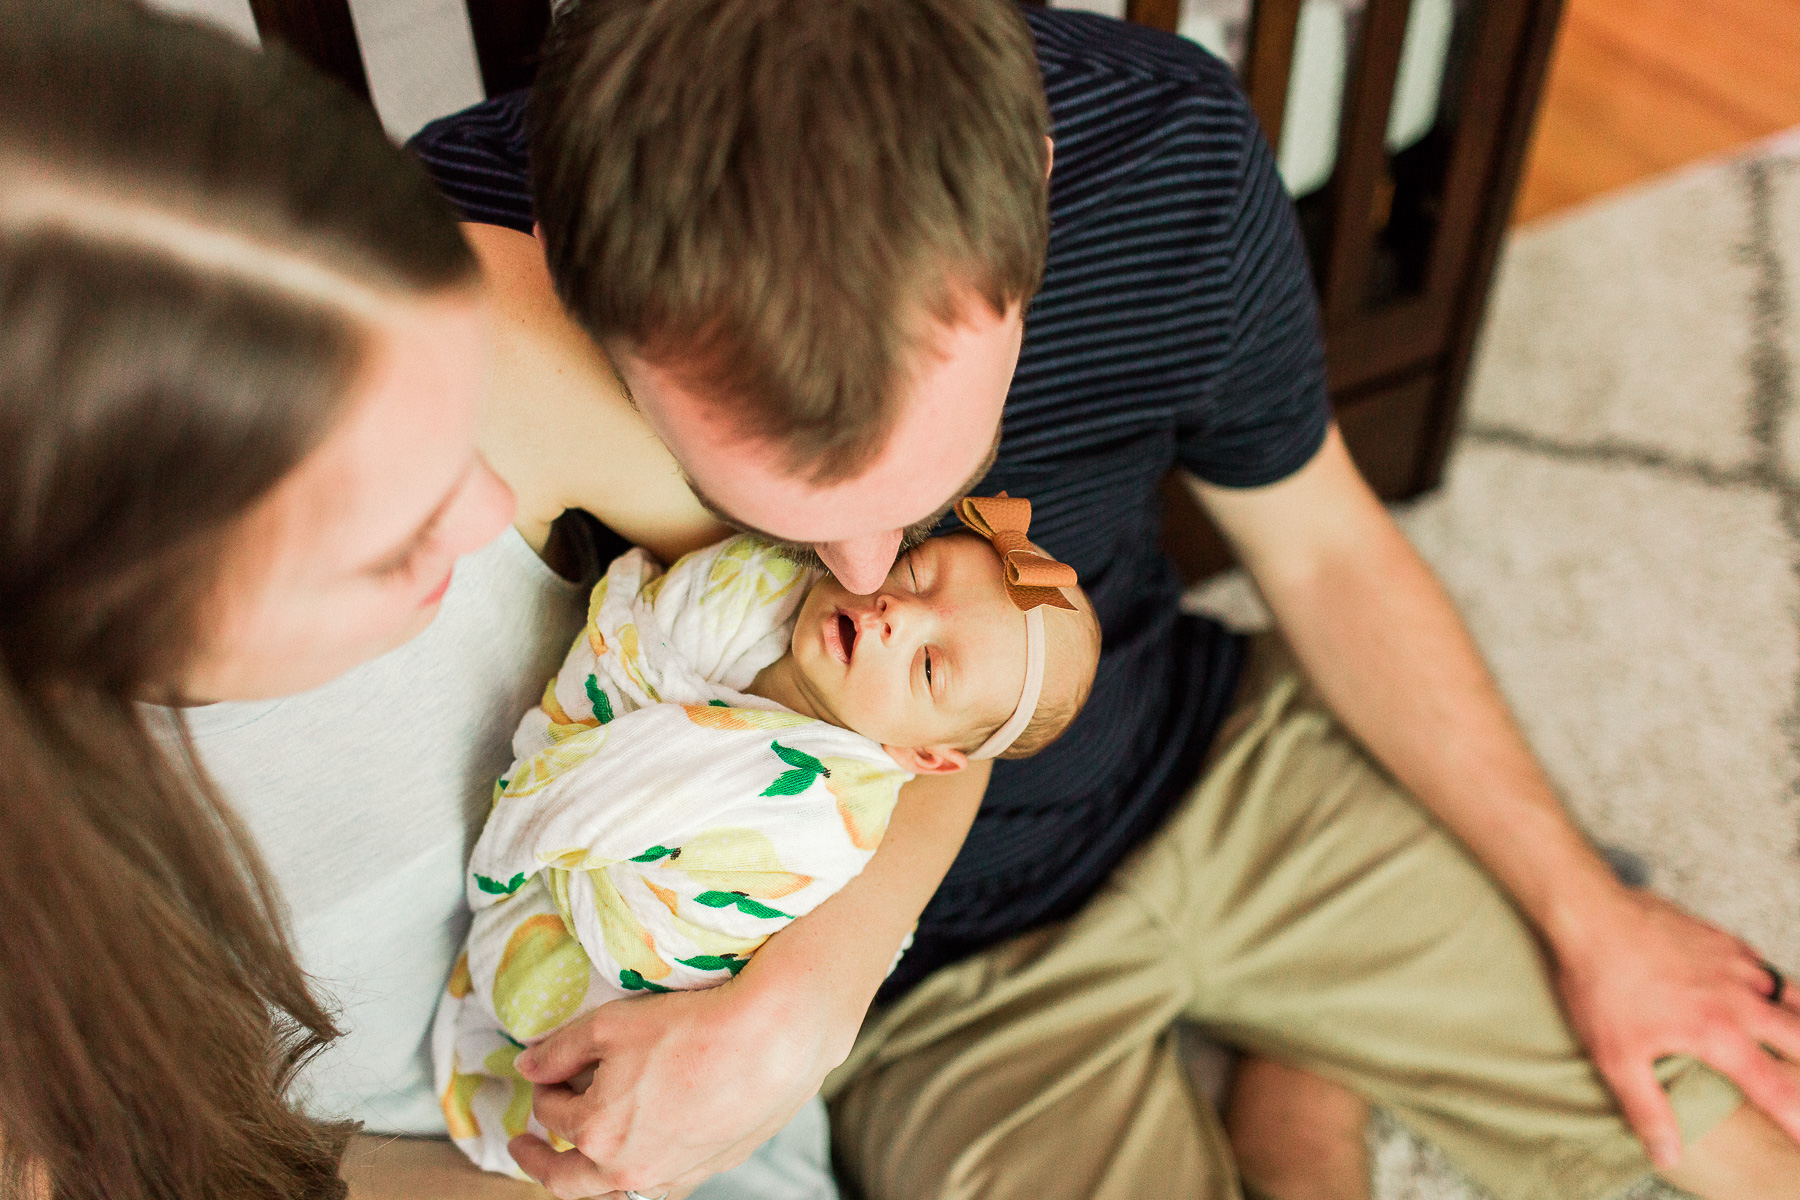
<point>682,1086</point>
<point>1641,980</point>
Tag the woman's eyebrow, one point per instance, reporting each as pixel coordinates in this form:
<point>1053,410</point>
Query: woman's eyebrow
<point>397,558</point>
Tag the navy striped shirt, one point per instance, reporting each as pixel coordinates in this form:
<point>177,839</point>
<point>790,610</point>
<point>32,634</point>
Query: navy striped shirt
<point>1176,325</point>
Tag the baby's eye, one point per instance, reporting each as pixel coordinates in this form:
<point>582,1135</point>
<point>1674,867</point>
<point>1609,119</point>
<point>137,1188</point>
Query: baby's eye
<point>928,670</point>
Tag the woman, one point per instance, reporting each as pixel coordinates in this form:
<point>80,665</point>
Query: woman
<point>224,298</point>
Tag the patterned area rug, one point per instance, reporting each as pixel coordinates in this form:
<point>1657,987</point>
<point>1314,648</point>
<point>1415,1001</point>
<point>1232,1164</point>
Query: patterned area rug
<point>1621,526</point>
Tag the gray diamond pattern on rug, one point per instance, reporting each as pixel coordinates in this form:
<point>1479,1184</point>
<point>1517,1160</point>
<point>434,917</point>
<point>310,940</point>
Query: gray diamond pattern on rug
<point>1620,525</point>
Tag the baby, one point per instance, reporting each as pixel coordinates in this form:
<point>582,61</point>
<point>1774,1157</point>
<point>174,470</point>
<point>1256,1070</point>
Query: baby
<point>719,753</point>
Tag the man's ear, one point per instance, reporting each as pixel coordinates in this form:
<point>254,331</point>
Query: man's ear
<point>1049,157</point>
<point>928,760</point>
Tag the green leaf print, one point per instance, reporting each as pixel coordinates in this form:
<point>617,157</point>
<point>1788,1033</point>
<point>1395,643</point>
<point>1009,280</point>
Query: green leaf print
<point>494,887</point>
<point>799,758</point>
<point>631,981</point>
<point>656,852</point>
<point>714,962</point>
<point>806,768</point>
<point>718,704</point>
<point>790,783</point>
<point>597,697</point>
<point>744,904</point>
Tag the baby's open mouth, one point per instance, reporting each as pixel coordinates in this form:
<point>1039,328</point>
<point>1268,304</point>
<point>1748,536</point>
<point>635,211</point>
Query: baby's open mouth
<point>841,634</point>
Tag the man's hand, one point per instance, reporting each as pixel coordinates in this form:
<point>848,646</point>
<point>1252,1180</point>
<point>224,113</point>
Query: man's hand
<point>1640,979</point>
<point>683,1085</point>
<point>687,1084</point>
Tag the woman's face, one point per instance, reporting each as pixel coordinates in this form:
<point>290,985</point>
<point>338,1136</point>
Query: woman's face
<point>351,553</point>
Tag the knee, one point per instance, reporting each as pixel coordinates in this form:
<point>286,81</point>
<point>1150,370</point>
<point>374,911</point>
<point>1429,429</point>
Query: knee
<point>1295,1135</point>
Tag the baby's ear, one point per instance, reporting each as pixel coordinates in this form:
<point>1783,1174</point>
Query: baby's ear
<point>928,760</point>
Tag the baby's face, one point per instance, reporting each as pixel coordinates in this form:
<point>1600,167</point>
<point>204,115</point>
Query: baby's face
<point>938,651</point>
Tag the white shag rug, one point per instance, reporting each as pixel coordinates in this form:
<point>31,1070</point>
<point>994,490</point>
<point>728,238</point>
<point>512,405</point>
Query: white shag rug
<point>1620,525</point>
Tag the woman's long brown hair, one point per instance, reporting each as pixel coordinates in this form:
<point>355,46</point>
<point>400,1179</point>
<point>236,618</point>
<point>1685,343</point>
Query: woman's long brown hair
<point>154,385</point>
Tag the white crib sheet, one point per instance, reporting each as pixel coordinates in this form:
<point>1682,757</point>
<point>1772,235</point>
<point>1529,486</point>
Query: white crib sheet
<point>1316,81</point>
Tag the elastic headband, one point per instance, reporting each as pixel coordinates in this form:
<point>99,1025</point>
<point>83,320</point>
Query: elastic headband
<point>1009,733</point>
<point>1032,580</point>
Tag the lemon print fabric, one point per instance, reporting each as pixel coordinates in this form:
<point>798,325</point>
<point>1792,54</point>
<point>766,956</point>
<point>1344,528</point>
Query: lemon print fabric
<point>723,716</point>
<point>517,1116</point>
<point>865,793</point>
<point>542,977</point>
<point>751,571</point>
<point>536,772</point>
<point>740,861</point>
<point>458,1101</point>
<point>657,826</point>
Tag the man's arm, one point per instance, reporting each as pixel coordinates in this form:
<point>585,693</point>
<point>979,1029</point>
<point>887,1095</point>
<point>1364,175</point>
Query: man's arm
<point>688,1084</point>
<point>556,424</point>
<point>1379,637</point>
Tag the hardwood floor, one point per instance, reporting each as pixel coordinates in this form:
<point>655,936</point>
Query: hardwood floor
<point>1639,87</point>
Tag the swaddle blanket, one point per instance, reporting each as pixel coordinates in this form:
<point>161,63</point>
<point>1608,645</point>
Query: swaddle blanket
<point>656,826</point>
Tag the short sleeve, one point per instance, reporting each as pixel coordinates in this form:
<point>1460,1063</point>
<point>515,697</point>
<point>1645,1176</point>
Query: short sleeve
<point>1268,409</point>
<point>480,160</point>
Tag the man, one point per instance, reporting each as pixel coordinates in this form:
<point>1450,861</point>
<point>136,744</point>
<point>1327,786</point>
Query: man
<point>803,237</point>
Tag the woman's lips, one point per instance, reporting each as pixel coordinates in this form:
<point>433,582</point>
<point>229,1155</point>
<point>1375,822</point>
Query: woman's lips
<point>840,636</point>
<point>437,593</point>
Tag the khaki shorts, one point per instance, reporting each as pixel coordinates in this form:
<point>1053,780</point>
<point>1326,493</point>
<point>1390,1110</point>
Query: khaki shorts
<point>1299,905</point>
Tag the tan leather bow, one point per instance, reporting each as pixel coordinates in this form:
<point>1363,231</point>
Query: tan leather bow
<point>1031,578</point>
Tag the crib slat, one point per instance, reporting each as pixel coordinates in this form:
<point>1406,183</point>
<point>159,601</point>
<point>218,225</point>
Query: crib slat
<point>1491,76</point>
<point>1158,14</point>
<point>1267,61</point>
<point>1362,158</point>
<point>320,31</point>
<point>507,36</point>
<point>1509,58</point>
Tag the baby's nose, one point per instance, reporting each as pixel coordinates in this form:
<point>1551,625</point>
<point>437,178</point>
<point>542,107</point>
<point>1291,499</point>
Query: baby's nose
<point>875,619</point>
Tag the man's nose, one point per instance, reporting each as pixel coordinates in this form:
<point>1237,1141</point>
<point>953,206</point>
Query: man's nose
<point>861,564</point>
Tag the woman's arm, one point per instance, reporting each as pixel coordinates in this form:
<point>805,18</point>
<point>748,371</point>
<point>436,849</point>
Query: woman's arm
<point>556,424</point>
<point>689,1083</point>
<point>412,1168</point>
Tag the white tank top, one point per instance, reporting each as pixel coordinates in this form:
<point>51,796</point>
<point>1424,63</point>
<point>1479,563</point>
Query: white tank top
<point>365,797</point>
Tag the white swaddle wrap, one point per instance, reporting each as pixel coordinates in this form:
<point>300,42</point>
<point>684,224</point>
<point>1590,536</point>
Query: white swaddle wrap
<point>656,826</point>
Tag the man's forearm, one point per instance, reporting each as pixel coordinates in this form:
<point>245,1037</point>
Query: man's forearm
<point>1378,635</point>
<point>414,1168</point>
<point>1387,650</point>
<point>842,950</point>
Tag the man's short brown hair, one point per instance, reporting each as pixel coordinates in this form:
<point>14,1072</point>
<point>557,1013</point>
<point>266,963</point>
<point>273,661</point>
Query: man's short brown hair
<point>763,197</point>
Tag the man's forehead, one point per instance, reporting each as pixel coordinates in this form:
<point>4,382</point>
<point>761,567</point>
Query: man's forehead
<point>938,447</point>
<point>915,531</point>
